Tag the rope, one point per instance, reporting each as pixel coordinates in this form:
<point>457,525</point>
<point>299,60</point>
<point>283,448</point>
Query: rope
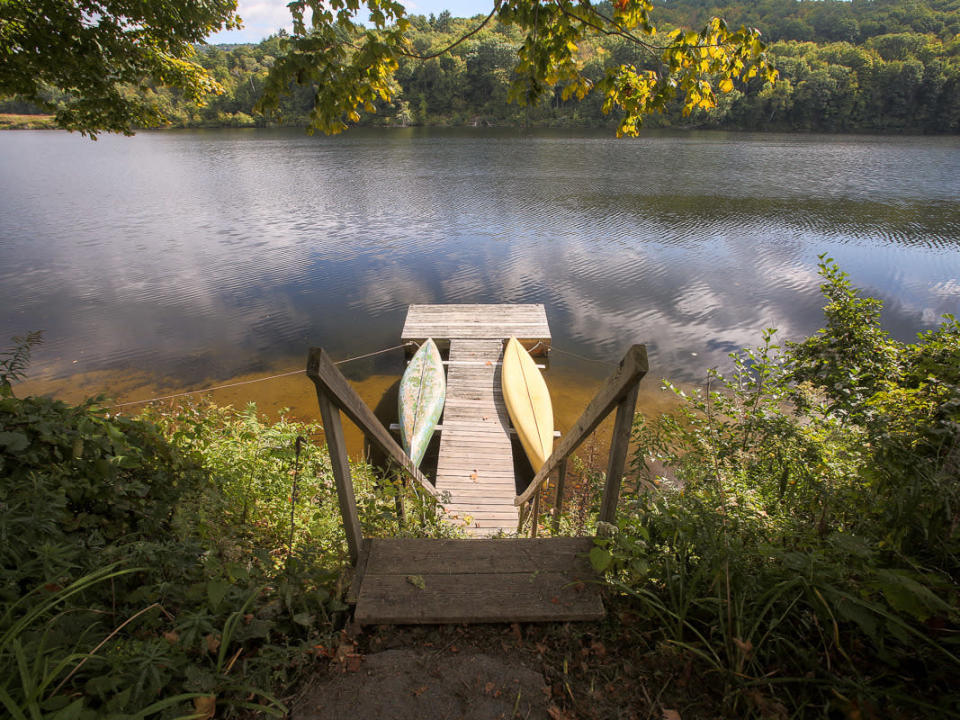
<point>256,380</point>
<point>593,360</point>
<point>209,389</point>
<point>296,372</point>
<point>378,352</point>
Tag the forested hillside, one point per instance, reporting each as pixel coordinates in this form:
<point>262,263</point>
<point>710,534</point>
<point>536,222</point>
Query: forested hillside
<point>870,65</point>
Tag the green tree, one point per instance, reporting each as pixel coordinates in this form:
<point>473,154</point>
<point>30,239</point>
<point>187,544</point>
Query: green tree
<point>351,64</point>
<point>96,52</point>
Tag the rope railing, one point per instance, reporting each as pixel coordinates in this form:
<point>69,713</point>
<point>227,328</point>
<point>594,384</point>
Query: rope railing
<point>255,380</point>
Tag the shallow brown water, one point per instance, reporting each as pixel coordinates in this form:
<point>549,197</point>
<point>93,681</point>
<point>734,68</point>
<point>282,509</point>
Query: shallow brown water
<point>294,396</point>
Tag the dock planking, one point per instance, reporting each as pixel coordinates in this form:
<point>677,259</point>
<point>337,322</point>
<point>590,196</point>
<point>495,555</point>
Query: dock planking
<point>418,580</point>
<point>475,465</point>
<point>527,323</point>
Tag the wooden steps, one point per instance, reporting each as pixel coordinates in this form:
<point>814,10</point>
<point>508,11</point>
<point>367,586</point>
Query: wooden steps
<point>418,581</point>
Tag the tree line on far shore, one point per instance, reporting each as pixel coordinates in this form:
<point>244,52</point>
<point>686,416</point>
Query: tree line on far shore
<point>866,65</point>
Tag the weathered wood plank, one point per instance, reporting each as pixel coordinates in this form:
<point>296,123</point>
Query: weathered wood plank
<point>498,488</point>
<point>479,497</point>
<point>472,309</point>
<point>481,460</point>
<point>402,556</point>
<point>489,478</point>
<point>477,515</point>
<point>485,435</point>
<point>471,467</point>
<point>494,597</point>
<point>481,505</point>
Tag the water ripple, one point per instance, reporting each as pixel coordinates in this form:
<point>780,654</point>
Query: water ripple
<point>224,250</point>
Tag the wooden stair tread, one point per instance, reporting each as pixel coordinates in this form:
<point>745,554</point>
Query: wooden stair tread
<point>478,581</point>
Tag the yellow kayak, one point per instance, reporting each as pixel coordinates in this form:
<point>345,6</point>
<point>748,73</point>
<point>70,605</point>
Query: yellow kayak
<point>528,402</point>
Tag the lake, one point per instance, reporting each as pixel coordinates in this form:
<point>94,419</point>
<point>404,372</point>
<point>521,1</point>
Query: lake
<point>181,259</point>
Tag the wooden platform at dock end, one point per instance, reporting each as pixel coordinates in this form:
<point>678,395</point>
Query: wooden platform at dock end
<point>526,322</point>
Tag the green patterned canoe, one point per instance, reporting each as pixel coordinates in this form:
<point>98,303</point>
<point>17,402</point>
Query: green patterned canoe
<point>423,390</point>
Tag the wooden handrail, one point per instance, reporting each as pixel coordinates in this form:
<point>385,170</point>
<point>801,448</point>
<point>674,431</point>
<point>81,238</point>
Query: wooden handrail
<point>620,391</point>
<point>331,383</point>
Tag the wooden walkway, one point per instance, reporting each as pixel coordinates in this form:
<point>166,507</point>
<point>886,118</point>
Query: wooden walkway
<point>468,581</point>
<point>475,465</point>
<point>475,580</point>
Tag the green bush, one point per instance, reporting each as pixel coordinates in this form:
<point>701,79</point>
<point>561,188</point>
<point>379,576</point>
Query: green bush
<point>188,556</point>
<point>804,543</point>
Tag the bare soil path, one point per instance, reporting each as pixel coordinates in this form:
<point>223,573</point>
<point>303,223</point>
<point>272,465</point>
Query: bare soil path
<point>561,671</point>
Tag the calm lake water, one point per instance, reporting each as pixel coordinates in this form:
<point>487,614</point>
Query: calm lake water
<point>175,259</point>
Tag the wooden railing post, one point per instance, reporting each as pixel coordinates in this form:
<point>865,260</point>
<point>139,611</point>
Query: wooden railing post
<point>618,454</point>
<point>558,506</point>
<point>536,515</point>
<point>333,429</point>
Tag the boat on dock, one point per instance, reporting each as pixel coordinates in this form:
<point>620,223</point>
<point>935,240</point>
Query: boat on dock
<point>528,403</point>
<point>423,390</point>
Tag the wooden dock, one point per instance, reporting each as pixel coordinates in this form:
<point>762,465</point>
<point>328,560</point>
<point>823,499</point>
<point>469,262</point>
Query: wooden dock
<point>475,465</point>
<point>475,580</point>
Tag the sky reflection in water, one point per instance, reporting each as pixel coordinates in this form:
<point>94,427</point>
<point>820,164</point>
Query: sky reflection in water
<point>204,255</point>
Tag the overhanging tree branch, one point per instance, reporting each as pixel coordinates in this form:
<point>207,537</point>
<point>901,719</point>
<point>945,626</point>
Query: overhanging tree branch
<point>462,38</point>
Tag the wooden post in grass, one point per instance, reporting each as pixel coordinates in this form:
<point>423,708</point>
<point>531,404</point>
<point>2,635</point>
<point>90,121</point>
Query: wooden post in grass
<point>618,454</point>
<point>558,505</point>
<point>334,393</point>
<point>333,429</point>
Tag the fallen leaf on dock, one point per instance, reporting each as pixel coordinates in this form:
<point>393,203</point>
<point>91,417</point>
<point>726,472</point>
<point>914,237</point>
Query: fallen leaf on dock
<point>416,581</point>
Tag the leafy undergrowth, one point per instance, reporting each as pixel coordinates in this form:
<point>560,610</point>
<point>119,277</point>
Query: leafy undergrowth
<point>804,548</point>
<point>188,561</point>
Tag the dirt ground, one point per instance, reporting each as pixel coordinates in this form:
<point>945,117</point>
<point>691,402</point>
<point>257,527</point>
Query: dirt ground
<point>417,683</point>
<point>568,671</point>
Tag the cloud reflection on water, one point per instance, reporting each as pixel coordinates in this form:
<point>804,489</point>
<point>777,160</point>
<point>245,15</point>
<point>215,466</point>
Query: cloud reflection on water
<point>208,254</point>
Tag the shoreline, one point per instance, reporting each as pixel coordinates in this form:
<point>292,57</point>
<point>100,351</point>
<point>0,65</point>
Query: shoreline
<point>46,122</point>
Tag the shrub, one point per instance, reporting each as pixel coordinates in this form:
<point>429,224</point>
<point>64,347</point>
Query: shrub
<point>805,545</point>
<point>168,563</point>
